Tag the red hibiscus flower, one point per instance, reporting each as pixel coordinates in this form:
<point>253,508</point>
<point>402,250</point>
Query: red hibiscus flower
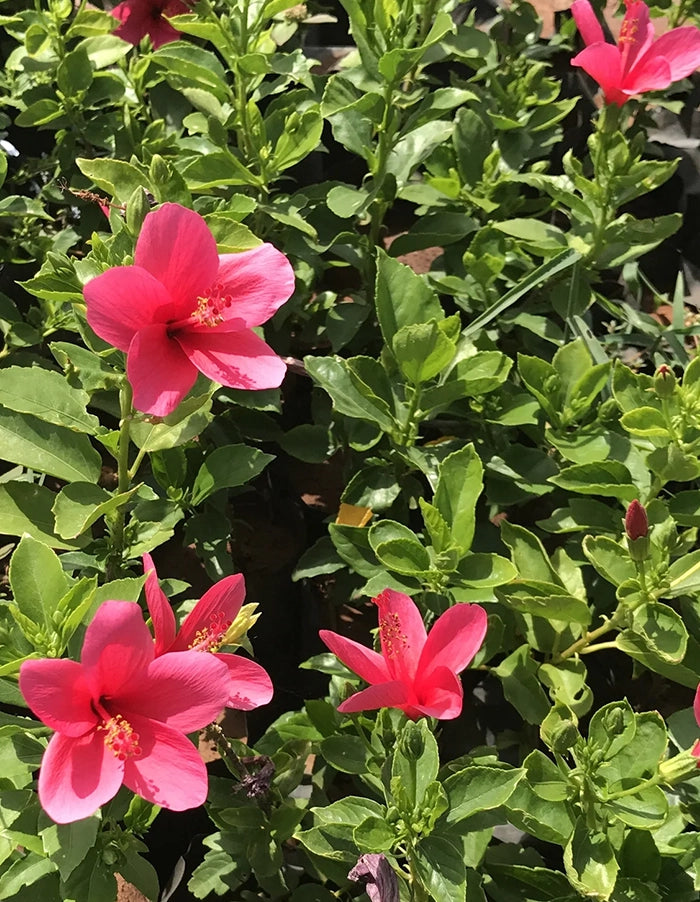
<point>121,716</point>
<point>416,671</point>
<point>183,309</point>
<point>637,63</point>
<point>204,629</point>
<point>147,17</point>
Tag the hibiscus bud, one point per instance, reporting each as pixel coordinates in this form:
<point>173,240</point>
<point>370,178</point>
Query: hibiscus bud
<point>680,767</point>
<point>636,521</point>
<point>664,382</point>
<point>564,737</point>
<point>137,208</point>
<point>381,883</point>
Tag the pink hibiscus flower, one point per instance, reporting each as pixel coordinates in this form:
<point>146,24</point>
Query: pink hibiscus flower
<point>416,671</point>
<point>696,708</point>
<point>637,63</point>
<point>121,716</point>
<point>203,629</point>
<point>183,309</point>
<point>147,17</point>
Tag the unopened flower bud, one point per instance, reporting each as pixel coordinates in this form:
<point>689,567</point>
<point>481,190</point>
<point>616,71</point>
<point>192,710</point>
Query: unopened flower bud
<point>664,382</point>
<point>564,737</point>
<point>636,521</point>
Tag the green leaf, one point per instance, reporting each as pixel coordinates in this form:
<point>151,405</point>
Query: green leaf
<point>439,866</point>
<point>645,810</point>
<point>51,449</point>
<point>590,862</point>
<point>37,580</point>
<point>608,478</point>
<point>350,395</point>
<point>415,762</point>
<point>460,482</point>
<point>645,422</point>
<point>46,395</point>
<point>301,135</point>
<point>68,844</point>
<point>23,872</point>
<point>684,575</point>
<point>402,298</point>
<point>609,559</point>
<point>352,544</point>
<point>74,73</point>
<point>190,418</point>
<point>347,754</point>
<point>473,142</point>
<point>228,466</point>
<point>404,556</point>
<point>422,351</point>
<point>211,170</point>
<point>656,632</point>
<point>545,778</point>
<point>25,507</point>
<point>117,178</point>
<point>483,570</point>
<point>546,600</point>
<point>479,788</point>
<point>521,687</point>
<point>80,504</point>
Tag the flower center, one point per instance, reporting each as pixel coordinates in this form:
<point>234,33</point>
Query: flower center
<point>394,640</point>
<point>210,306</point>
<point>121,738</point>
<point>210,637</point>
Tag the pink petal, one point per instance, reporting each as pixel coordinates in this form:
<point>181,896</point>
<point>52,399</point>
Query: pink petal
<point>696,705</point>
<point>77,776</point>
<point>159,372</point>
<point>440,695</point>
<point>176,246</point>
<point>401,633</point>
<point>117,648</point>
<point>134,18</point>
<point>123,300</point>
<point>164,626</point>
<point>696,750</point>
<point>185,689</point>
<point>170,771</point>
<point>636,35</point>
<point>213,614</point>
<point>651,73</point>
<point>383,695</point>
<point>602,62</point>
<point>260,281</point>
<point>57,692</point>
<point>361,660</point>
<point>454,639</point>
<point>236,359</point>
<point>587,22</point>
<point>681,48</point>
<point>249,684</point>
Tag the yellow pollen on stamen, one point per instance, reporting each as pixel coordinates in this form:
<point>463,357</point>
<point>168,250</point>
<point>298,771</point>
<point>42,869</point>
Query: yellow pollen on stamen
<point>393,639</point>
<point>121,738</point>
<point>210,638</point>
<point>210,306</point>
<point>628,31</point>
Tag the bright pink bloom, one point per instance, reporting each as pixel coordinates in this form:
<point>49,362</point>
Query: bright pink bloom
<point>147,17</point>
<point>183,308</point>
<point>121,716</point>
<point>203,629</point>
<point>696,707</point>
<point>637,63</point>
<point>415,672</point>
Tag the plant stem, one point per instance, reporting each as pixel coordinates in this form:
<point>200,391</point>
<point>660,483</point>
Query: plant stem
<point>585,640</point>
<point>117,523</point>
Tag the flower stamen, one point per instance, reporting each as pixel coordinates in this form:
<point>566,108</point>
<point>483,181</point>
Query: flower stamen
<point>210,638</point>
<point>121,738</point>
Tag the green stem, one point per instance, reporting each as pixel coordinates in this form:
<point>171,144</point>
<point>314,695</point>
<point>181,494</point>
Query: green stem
<point>117,523</point>
<point>408,433</point>
<point>586,640</point>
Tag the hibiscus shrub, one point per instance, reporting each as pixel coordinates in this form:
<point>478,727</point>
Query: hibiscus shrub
<point>411,275</point>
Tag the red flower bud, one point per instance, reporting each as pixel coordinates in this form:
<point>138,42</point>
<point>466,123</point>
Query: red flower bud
<point>636,521</point>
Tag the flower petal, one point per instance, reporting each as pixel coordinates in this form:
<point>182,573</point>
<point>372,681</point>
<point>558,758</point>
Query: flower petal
<point>117,648</point>
<point>170,771</point>
<point>587,22</point>
<point>185,689</point>
<point>176,246</point>
<point>361,660</point>
<point>260,281</point>
<point>249,684</point>
<point>383,695</point>
<point>236,359</point>
<point>77,776</point>
<point>57,692</point>
<point>218,606</point>
<point>602,62</point>
<point>123,300</point>
<point>401,633</point>
<point>681,47</point>
<point>696,705</point>
<point>652,73</point>
<point>636,35</point>
<point>164,626</point>
<point>159,372</point>
<point>440,695</point>
<point>454,639</point>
